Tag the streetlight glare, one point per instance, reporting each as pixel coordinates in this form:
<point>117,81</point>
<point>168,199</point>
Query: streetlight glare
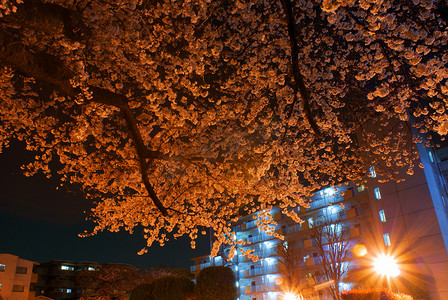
<point>291,296</point>
<point>386,265</point>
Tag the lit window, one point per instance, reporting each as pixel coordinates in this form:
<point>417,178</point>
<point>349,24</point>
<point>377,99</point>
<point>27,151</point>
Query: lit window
<point>2,267</point>
<point>67,268</point>
<point>0,286</point>
<point>328,191</point>
<point>310,222</point>
<point>361,188</point>
<point>431,157</point>
<point>386,239</point>
<point>382,215</point>
<point>91,269</point>
<point>377,193</point>
<point>69,291</point>
<point>372,172</point>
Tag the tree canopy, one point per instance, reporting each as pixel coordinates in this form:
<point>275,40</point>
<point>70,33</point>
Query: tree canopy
<point>181,115</point>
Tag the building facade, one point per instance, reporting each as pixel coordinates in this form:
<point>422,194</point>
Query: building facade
<point>57,279</point>
<point>407,221</point>
<point>411,224</point>
<point>16,276</point>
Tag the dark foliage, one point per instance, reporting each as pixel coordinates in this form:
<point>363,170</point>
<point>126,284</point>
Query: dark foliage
<point>216,283</point>
<point>169,287</point>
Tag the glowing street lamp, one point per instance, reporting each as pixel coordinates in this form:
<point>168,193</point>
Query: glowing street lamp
<point>292,296</point>
<point>386,265</point>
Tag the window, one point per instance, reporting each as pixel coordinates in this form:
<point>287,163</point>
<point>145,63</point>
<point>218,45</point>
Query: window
<point>361,188</point>
<point>377,193</point>
<point>21,270</point>
<point>372,172</point>
<point>382,215</point>
<point>0,286</point>
<point>310,222</point>
<point>67,268</point>
<point>386,239</point>
<point>2,267</point>
<point>91,269</point>
<point>69,291</point>
<point>18,288</point>
<point>431,157</point>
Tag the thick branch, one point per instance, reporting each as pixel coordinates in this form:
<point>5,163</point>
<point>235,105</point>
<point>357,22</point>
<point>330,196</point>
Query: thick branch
<point>51,70</point>
<point>298,78</point>
<point>49,18</point>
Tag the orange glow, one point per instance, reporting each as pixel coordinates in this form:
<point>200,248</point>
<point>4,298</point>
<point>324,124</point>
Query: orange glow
<point>359,250</point>
<point>292,296</point>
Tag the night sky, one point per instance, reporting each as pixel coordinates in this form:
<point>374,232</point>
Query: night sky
<point>40,223</point>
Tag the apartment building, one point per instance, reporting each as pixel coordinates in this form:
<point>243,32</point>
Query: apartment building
<point>16,276</point>
<point>407,221</point>
<point>260,280</point>
<point>411,224</point>
<point>57,279</point>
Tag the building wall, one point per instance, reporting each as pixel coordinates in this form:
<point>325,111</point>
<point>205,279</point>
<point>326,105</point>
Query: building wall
<point>15,277</point>
<point>57,279</point>
<point>417,224</point>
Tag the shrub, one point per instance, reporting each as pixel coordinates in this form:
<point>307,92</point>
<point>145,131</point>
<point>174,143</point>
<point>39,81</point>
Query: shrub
<point>172,288</point>
<point>374,294</point>
<point>142,292</point>
<point>216,283</point>
<point>169,287</point>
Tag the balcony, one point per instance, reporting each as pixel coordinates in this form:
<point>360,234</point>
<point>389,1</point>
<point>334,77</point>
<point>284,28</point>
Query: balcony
<point>249,225</point>
<point>351,213</point>
<point>309,261</point>
<point>355,232</point>
<point>197,268</point>
<point>253,289</point>
<point>292,229</point>
<point>307,243</point>
<point>263,236</point>
<point>261,271</point>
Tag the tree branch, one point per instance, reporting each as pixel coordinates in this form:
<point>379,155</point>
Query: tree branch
<point>298,78</point>
<point>49,18</point>
<point>50,70</point>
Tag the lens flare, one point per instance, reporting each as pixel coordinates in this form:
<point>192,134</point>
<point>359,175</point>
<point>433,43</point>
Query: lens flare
<point>386,265</point>
<point>359,250</point>
<point>292,296</point>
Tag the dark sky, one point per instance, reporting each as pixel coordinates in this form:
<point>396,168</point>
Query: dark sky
<point>40,223</point>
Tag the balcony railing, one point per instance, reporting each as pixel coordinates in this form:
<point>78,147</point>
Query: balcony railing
<point>292,229</point>
<point>260,237</point>
<point>255,289</point>
<point>261,271</point>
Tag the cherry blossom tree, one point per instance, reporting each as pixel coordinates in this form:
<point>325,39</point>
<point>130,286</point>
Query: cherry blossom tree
<point>181,115</point>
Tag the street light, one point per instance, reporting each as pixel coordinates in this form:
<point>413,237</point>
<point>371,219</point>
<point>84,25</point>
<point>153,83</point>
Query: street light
<point>292,296</point>
<point>386,265</point>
